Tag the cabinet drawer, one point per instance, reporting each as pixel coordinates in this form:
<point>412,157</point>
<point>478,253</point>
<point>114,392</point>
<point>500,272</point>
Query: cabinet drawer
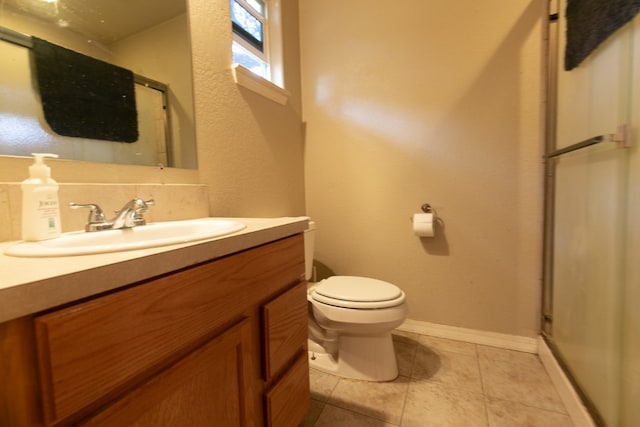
<point>288,400</point>
<point>285,329</point>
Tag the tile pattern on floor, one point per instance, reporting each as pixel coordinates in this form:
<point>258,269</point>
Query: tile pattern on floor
<point>442,383</point>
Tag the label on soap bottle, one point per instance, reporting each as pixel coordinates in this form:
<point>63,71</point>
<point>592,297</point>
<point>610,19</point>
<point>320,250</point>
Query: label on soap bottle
<point>41,218</point>
<point>48,214</point>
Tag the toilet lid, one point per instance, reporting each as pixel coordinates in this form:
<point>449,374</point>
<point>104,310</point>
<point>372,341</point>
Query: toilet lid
<point>357,292</point>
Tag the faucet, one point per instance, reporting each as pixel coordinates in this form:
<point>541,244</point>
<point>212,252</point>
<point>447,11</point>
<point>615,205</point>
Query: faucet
<point>129,216</point>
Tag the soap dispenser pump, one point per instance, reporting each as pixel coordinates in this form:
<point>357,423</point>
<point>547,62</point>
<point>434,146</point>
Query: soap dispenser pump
<point>40,207</point>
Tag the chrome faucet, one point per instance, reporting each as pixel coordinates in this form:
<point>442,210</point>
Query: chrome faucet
<point>131,215</point>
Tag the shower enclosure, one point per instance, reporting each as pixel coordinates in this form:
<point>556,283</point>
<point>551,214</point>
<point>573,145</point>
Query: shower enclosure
<point>591,316</point>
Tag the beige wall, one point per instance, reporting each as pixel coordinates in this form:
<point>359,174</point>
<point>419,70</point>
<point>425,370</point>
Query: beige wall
<point>250,149</point>
<point>426,101</point>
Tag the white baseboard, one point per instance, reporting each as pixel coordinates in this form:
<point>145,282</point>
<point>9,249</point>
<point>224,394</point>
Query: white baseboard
<point>493,339</point>
<point>572,402</point>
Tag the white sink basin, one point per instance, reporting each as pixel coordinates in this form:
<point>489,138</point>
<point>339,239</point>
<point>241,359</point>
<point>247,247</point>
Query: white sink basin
<point>145,236</point>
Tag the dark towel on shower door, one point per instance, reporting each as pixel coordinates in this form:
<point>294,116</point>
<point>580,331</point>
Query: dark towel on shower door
<point>590,22</point>
<point>85,97</point>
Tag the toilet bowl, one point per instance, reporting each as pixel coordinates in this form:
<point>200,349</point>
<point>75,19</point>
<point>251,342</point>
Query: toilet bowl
<point>350,323</point>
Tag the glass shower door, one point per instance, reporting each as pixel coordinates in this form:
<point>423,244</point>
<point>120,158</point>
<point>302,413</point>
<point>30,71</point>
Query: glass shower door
<point>593,201</point>
<point>589,266</point>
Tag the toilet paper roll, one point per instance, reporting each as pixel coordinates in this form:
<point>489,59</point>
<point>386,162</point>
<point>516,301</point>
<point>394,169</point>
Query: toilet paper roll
<point>423,224</point>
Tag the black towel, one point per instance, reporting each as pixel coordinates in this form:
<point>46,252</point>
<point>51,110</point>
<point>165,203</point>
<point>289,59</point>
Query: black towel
<point>590,22</point>
<point>84,97</point>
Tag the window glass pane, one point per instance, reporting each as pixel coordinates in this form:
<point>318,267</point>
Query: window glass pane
<point>251,62</point>
<point>246,25</point>
<point>257,5</point>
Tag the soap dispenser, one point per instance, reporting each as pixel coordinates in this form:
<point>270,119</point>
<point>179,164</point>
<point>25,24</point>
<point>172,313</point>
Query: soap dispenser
<point>40,207</point>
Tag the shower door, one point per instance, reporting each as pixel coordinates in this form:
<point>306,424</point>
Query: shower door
<point>592,297</point>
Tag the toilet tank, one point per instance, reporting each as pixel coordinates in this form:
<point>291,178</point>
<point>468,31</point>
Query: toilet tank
<point>309,242</point>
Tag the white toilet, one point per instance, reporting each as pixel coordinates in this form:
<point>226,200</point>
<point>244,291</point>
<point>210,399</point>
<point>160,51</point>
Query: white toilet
<point>350,323</point>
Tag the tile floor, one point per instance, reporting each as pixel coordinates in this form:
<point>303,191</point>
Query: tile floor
<point>442,383</point>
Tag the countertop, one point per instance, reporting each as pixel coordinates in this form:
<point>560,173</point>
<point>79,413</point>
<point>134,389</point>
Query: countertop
<point>30,285</point>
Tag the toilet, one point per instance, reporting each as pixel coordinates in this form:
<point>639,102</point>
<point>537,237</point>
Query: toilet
<point>350,323</point>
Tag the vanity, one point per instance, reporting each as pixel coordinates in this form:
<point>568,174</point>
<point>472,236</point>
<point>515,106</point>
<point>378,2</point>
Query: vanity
<point>205,333</point>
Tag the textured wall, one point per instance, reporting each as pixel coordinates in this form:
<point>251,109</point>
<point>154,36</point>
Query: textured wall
<point>250,149</point>
<point>426,101</point>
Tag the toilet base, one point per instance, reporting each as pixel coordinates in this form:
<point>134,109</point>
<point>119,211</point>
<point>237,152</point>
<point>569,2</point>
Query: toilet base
<point>369,358</point>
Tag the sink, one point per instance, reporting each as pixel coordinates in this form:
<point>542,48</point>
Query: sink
<point>145,236</point>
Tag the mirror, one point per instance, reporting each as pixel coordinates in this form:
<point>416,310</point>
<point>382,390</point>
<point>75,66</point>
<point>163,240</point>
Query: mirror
<point>148,37</point>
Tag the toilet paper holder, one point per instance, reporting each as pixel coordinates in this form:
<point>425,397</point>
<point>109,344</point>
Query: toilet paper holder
<point>426,208</point>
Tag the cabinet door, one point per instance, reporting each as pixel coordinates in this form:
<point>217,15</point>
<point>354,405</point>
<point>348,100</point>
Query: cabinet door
<point>206,388</point>
<point>284,329</point>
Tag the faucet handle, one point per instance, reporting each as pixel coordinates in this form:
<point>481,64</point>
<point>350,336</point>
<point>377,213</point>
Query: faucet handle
<point>140,207</point>
<point>146,203</point>
<point>95,215</point>
<point>96,220</point>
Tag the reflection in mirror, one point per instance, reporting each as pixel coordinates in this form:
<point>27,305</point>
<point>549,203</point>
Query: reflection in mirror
<point>148,37</point>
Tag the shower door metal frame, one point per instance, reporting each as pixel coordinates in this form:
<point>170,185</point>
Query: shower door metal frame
<point>549,167</point>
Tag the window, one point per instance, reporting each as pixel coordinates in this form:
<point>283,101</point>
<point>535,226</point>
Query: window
<point>257,47</point>
<point>257,38</point>
<point>250,36</point>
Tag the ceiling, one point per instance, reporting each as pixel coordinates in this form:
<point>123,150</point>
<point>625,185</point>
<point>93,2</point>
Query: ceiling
<point>105,21</point>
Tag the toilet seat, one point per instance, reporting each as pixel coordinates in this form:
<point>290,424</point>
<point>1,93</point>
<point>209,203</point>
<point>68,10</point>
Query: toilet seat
<point>357,292</point>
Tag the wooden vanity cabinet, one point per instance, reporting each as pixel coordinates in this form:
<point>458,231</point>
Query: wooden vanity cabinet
<point>219,344</point>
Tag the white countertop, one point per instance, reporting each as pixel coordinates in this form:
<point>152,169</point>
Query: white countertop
<point>29,285</point>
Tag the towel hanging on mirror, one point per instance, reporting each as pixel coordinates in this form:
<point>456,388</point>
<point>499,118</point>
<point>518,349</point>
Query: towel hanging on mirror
<point>85,97</point>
